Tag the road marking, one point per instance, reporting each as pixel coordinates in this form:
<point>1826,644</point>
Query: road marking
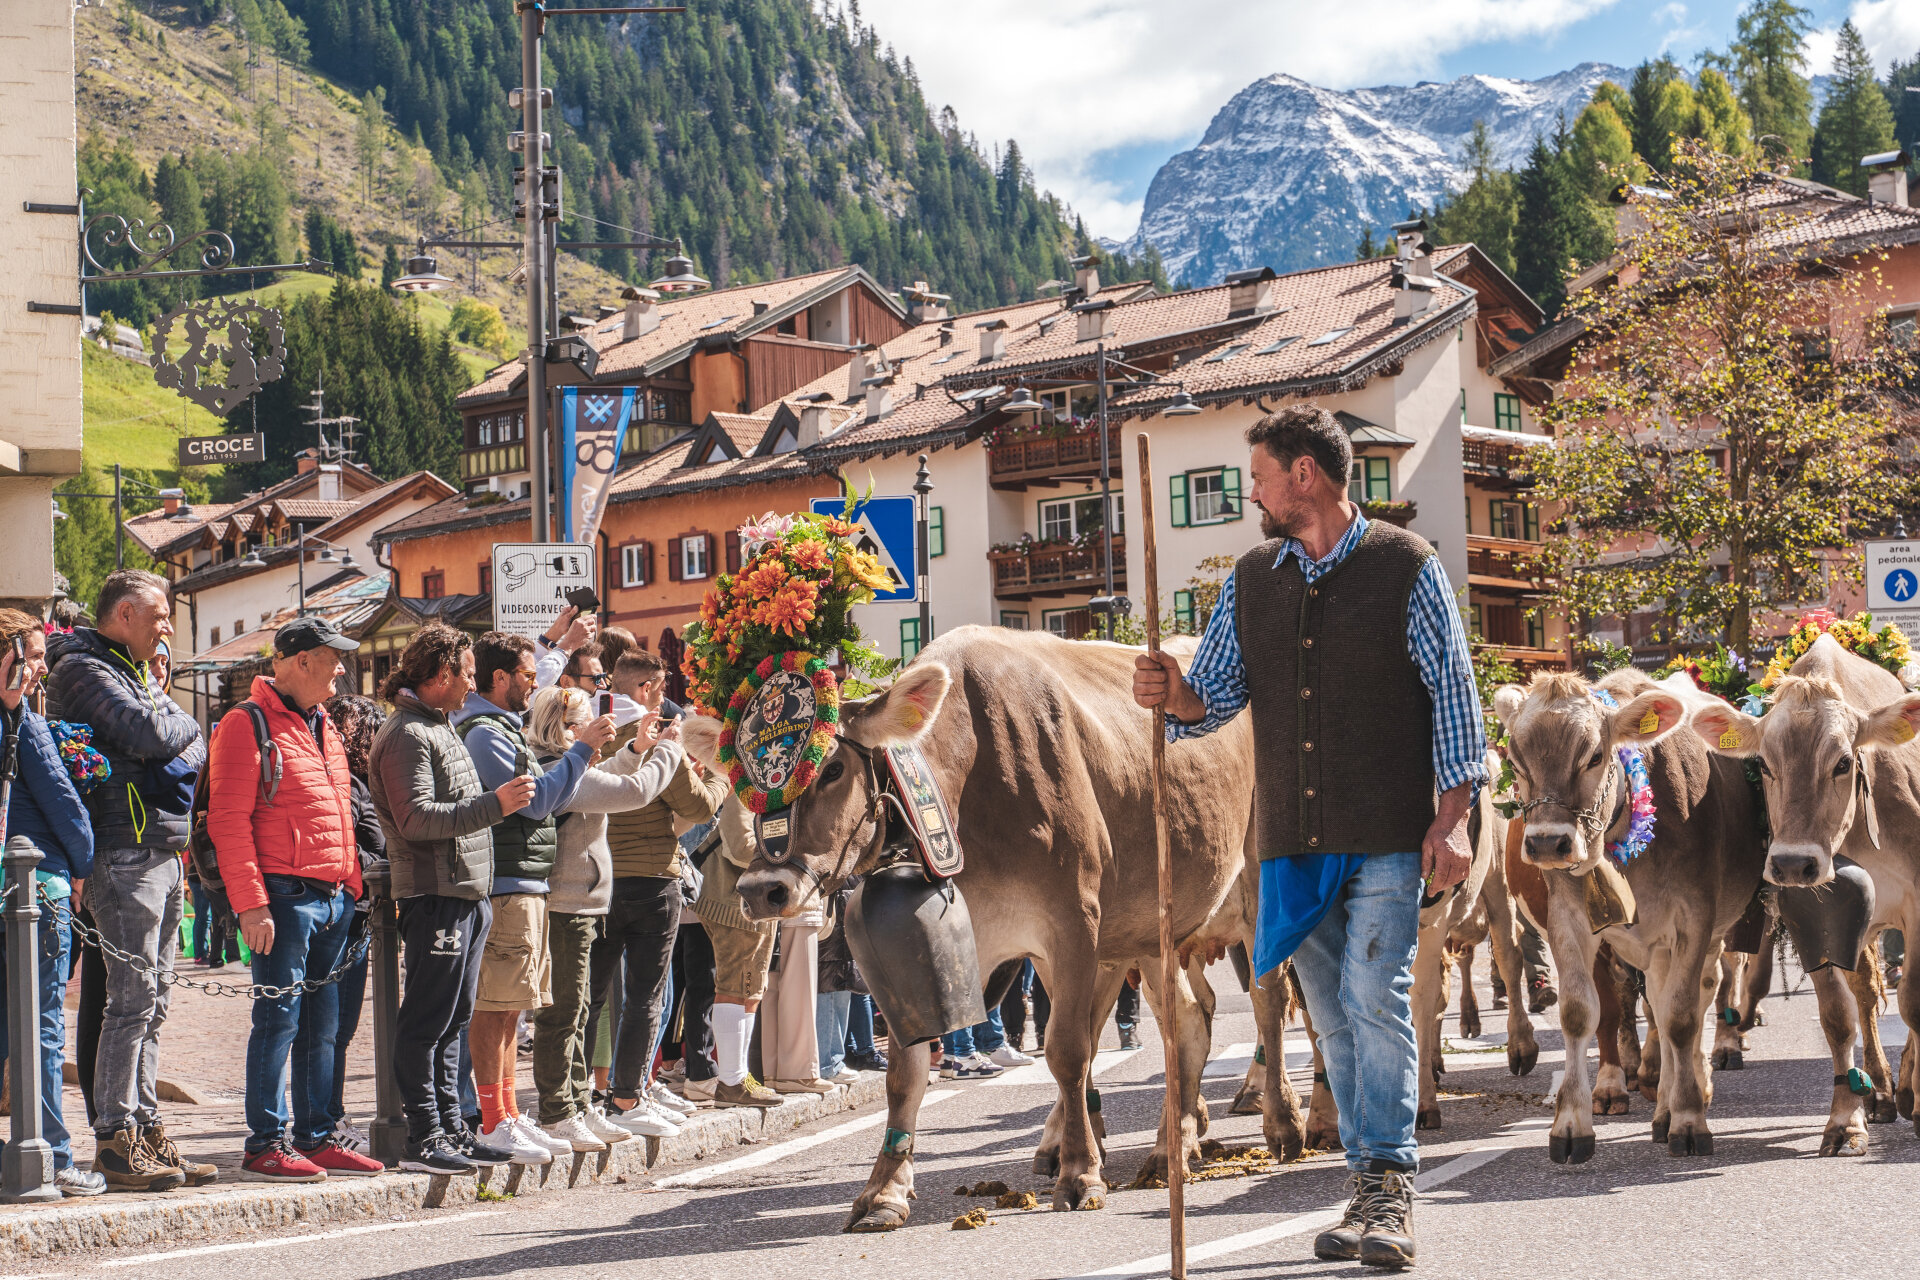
<point>1037,1073</point>
<point>781,1150</point>
<point>343,1232</point>
<point>1315,1219</point>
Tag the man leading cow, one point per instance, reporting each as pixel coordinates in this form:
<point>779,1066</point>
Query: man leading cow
<point>1350,750</point>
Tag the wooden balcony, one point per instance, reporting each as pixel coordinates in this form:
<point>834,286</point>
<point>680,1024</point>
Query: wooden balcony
<point>493,460</point>
<point>1505,565</point>
<point>1495,464</point>
<point>1046,460</point>
<point>1056,570</point>
<point>1532,660</point>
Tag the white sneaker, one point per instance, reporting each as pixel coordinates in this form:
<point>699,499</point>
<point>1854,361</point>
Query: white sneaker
<point>349,1135</point>
<point>669,1100</point>
<point>595,1121</point>
<point>509,1138</point>
<point>575,1134</point>
<point>1008,1056</point>
<point>983,1065</point>
<point>647,1120</point>
<point>844,1075</point>
<point>535,1134</point>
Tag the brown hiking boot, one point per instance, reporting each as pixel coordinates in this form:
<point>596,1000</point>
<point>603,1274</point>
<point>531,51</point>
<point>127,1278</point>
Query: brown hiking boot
<point>1341,1242</point>
<point>748,1093</point>
<point>197,1174</point>
<point>128,1165</point>
<point>1388,1242</point>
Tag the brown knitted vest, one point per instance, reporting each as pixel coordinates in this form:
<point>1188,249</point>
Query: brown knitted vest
<point>1342,722</point>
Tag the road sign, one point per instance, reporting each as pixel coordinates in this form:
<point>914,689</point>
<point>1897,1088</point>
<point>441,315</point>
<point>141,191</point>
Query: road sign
<point>887,531</point>
<point>530,582</point>
<point>206,451</point>
<point>1893,583</point>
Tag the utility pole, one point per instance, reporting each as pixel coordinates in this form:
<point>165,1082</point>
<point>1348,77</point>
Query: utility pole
<point>1106,491</point>
<point>532,29</point>
<point>119,524</point>
<point>922,487</point>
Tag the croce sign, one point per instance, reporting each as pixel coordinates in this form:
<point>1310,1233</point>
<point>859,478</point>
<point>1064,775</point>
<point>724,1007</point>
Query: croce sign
<point>203,451</point>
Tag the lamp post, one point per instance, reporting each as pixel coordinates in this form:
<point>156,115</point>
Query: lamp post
<point>922,487</point>
<point>253,560</point>
<point>117,498</point>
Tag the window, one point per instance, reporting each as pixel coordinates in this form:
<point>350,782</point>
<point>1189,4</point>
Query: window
<point>486,577</point>
<point>1183,611</point>
<point>1068,624</point>
<point>909,638</point>
<point>693,557</point>
<point>1205,497</point>
<point>214,640</point>
<point>485,435</point>
<point>1536,630</point>
<point>1506,411</point>
<point>1469,513</point>
<point>1014,621</point>
<point>1075,517</point>
<point>1903,330</point>
<point>239,626</point>
<point>433,585</point>
<point>936,532</point>
<point>1371,481</point>
<point>636,564</point>
<point>1475,623</point>
<point>1519,520</point>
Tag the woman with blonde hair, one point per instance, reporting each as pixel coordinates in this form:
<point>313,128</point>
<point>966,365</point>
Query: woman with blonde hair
<point>581,892</point>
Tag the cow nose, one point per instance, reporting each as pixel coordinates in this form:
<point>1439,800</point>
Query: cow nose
<point>1792,868</point>
<point>763,896</point>
<point>1549,848</point>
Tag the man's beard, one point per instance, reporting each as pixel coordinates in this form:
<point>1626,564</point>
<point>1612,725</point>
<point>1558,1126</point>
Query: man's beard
<point>1275,526</point>
<point>516,700</point>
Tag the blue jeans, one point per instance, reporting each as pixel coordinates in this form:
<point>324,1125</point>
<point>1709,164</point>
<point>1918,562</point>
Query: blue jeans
<point>830,1013</point>
<point>860,1025</point>
<point>56,955</point>
<point>309,938</point>
<point>1356,971</point>
<point>983,1037</point>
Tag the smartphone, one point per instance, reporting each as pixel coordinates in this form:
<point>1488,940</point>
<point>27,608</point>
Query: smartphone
<point>606,704</point>
<point>17,674</point>
<point>583,599</point>
<point>521,766</point>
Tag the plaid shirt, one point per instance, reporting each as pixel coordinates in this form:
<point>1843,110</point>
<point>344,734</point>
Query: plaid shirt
<point>1436,642</point>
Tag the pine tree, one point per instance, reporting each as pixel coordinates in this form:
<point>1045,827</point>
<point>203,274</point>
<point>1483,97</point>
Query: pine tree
<point>1601,154</point>
<point>391,268</point>
<point>1485,212</point>
<point>1767,58</point>
<point>1855,120</point>
<point>1560,229</point>
<point>1905,74</point>
<point>1651,131</point>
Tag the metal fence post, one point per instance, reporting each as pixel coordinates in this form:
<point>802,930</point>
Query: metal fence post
<point>26,1169</point>
<point>387,1135</point>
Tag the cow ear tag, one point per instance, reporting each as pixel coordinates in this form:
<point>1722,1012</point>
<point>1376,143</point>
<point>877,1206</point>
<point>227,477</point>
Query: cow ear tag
<point>1649,722</point>
<point>1730,740</point>
<point>1903,730</point>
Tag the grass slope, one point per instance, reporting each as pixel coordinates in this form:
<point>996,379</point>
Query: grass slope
<point>132,420</point>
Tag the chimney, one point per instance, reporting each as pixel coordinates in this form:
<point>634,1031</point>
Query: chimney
<point>923,304</point>
<point>170,504</point>
<point>1095,320</point>
<point>879,397</point>
<point>1086,274</point>
<point>1886,177</point>
<point>1250,292</point>
<point>813,424</point>
<point>865,360</point>
<point>643,312</point>
<point>1412,280</point>
<point>946,335</point>
<point>993,340</point>
<point>305,462</point>
<point>759,308</point>
<point>329,490</point>
<point>605,311</point>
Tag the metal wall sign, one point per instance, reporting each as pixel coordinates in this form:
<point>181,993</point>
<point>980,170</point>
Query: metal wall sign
<point>207,451</point>
<point>530,582</point>
<point>1893,583</point>
<point>221,366</point>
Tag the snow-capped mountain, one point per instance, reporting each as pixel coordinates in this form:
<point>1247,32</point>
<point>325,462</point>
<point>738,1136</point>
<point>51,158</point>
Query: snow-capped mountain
<point>1288,173</point>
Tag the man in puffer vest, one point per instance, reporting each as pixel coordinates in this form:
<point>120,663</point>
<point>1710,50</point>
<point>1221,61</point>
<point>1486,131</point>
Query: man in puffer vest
<point>282,828</point>
<point>516,972</point>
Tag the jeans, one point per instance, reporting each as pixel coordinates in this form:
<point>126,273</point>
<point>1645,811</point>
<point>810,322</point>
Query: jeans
<point>695,963</point>
<point>560,1070</point>
<point>860,1025</point>
<point>55,957</point>
<point>136,897</point>
<point>831,1010</point>
<point>1126,1010</point>
<point>982,1037</point>
<point>441,940</point>
<point>310,929</point>
<point>353,999</point>
<point>642,922</point>
<point>1356,971</point>
<point>213,938</point>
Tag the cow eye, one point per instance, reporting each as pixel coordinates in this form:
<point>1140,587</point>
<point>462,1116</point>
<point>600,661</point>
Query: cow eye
<point>1764,771</point>
<point>1843,768</point>
<point>1599,755</point>
<point>833,771</point>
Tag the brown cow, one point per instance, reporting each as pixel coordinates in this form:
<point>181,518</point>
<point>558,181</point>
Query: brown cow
<point>1045,759</point>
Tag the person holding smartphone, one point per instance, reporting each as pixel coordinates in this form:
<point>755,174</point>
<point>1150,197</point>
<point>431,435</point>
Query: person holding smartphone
<point>44,812</point>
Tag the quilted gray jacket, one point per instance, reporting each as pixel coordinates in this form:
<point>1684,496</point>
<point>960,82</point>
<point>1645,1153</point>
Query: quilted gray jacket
<point>438,821</point>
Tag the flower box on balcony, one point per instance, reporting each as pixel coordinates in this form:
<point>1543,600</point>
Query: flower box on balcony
<point>1400,513</point>
<point>1019,457</point>
<point>1031,568</point>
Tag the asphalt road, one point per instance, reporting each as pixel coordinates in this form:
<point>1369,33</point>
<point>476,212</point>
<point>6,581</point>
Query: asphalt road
<point>1493,1205</point>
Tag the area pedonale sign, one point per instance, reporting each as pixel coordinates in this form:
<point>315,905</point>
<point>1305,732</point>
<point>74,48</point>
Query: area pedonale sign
<point>203,451</point>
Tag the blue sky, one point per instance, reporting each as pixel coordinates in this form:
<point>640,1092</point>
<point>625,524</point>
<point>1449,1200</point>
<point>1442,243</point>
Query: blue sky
<point>1100,92</point>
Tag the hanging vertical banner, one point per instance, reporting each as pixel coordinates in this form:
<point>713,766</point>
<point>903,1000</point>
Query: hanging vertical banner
<point>593,427</point>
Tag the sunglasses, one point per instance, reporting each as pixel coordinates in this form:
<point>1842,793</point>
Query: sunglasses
<point>603,681</point>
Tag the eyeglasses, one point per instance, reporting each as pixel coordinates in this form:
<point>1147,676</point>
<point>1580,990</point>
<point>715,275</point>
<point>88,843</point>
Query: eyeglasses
<point>603,681</point>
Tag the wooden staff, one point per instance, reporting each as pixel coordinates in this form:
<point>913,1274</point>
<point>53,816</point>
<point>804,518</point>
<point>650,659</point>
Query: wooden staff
<point>1169,961</point>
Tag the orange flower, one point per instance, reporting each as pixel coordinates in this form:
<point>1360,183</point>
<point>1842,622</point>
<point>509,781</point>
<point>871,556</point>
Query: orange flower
<point>812,557</point>
<point>765,581</point>
<point>792,609</point>
<point>838,528</point>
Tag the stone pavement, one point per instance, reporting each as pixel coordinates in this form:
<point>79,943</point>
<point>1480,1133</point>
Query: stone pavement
<point>202,1055</point>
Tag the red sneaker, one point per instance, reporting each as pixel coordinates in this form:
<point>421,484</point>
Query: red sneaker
<point>341,1162</point>
<point>280,1163</point>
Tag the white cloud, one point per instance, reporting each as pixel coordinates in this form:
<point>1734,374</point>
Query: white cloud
<point>1891,29</point>
<point>1069,78</point>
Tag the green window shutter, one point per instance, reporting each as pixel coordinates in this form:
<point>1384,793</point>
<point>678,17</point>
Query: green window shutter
<point>1379,480</point>
<point>1177,501</point>
<point>1530,523</point>
<point>1496,522</point>
<point>1230,485</point>
<point>1506,411</point>
<point>909,638</point>
<point>1469,513</point>
<point>1183,609</point>
<point>936,531</point>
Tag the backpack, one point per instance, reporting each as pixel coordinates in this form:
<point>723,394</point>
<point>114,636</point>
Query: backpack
<point>201,856</point>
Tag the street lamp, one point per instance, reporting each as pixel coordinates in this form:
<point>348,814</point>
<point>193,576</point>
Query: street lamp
<point>423,276</point>
<point>1181,406</point>
<point>119,508</point>
<point>1023,402</point>
<point>680,277</point>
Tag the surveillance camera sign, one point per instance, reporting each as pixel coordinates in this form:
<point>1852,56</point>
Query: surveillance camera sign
<point>531,581</point>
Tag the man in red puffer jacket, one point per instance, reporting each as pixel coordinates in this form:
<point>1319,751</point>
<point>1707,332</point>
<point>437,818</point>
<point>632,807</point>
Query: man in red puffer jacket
<point>292,871</point>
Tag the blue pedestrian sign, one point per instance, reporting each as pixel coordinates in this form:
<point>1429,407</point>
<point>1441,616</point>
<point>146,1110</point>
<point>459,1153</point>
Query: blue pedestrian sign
<point>889,532</point>
<point>1900,585</point>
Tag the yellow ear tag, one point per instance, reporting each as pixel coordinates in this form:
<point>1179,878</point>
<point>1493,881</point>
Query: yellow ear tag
<point>1730,740</point>
<point>1902,730</point>
<point>911,714</point>
<point>1649,722</point>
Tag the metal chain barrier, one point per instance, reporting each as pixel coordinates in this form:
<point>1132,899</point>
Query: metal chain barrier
<point>174,978</point>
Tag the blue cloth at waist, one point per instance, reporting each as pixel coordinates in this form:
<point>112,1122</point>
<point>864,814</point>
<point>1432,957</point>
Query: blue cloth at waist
<point>1295,895</point>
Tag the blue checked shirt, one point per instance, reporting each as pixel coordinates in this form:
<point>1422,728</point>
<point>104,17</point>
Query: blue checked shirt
<point>1436,642</point>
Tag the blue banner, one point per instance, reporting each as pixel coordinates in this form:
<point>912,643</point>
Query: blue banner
<point>593,429</point>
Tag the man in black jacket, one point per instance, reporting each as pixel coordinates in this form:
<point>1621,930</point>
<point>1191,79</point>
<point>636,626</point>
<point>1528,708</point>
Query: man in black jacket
<point>140,817</point>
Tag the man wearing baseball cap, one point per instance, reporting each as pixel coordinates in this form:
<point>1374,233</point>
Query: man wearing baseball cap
<point>281,821</point>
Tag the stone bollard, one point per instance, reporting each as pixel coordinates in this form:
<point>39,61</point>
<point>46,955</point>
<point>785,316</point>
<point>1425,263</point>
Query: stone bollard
<point>387,1134</point>
<point>26,1168</point>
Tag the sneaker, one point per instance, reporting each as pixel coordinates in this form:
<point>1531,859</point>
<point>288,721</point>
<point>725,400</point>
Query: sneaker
<point>983,1066</point>
<point>280,1163</point>
<point>487,1155</point>
<point>349,1135</point>
<point>644,1119</point>
<point>815,1085</point>
<point>521,1149</point>
<point>700,1092</point>
<point>1341,1242</point>
<point>73,1181</point>
<point>342,1162</point>
<point>602,1128</point>
<point>198,1173</point>
<point>1008,1056</point>
<point>540,1137</point>
<point>575,1132</point>
<point>875,1061</point>
<point>127,1165</point>
<point>748,1093</point>
<point>1388,1241</point>
<point>1541,996</point>
<point>667,1099</point>
<point>949,1067</point>
<point>1129,1038</point>
<point>842,1074</point>
<point>438,1154</point>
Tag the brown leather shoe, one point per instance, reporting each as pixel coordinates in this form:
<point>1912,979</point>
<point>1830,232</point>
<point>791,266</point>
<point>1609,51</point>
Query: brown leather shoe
<point>197,1173</point>
<point>127,1165</point>
<point>1388,1241</point>
<point>748,1093</point>
<point>1341,1242</point>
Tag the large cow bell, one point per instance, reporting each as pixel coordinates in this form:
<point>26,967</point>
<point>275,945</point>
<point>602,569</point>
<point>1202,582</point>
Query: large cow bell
<point>913,941</point>
<point>1828,925</point>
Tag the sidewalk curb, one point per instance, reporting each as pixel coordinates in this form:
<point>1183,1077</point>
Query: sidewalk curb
<point>180,1219</point>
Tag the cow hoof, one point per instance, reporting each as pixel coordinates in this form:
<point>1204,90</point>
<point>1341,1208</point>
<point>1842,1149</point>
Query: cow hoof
<point>1880,1110</point>
<point>1286,1148</point>
<point>1650,1089</point>
<point>1047,1164</point>
<point>1558,1147</point>
<point>1470,1028</point>
<point>1250,1101</point>
<point>1324,1139</point>
<point>1690,1144</point>
<point>1660,1125</point>
<point>1091,1195</point>
<point>1575,1148</point>
<point>1613,1105</point>
<point>1520,1061</point>
<point>881,1218</point>
<point>1429,1118</point>
<point>1838,1142</point>
<point>1729,1060</point>
<point>1439,1066</point>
